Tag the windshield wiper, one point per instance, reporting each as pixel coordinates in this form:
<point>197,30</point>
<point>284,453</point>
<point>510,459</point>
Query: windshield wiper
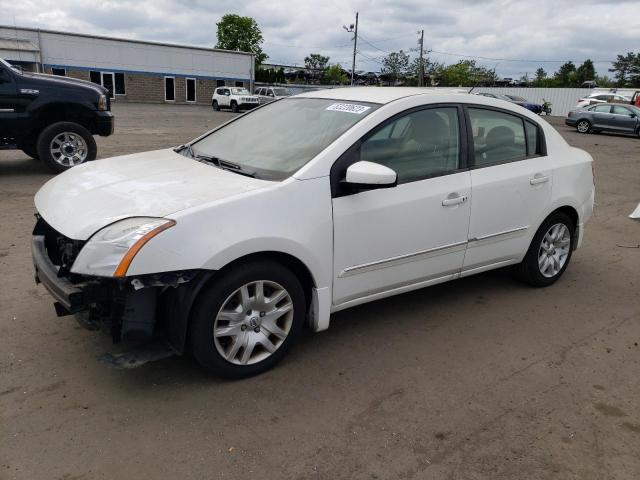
<point>223,164</point>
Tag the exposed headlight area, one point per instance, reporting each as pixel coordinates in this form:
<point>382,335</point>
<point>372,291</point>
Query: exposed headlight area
<point>110,251</point>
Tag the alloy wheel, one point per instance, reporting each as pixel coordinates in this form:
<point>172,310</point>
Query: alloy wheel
<point>68,149</point>
<point>583,127</point>
<point>554,250</point>
<point>253,322</point>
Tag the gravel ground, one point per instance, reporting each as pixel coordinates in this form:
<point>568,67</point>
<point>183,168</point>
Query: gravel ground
<point>481,378</point>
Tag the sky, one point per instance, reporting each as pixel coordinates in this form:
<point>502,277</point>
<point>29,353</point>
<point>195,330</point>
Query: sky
<point>514,36</point>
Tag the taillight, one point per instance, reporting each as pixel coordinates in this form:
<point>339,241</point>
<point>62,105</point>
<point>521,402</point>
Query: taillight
<point>569,114</point>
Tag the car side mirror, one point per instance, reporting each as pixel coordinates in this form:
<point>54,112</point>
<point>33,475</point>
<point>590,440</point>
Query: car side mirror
<point>365,175</point>
<point>632,115</point>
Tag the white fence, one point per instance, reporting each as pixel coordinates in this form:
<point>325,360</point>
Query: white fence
<point>562,100</point>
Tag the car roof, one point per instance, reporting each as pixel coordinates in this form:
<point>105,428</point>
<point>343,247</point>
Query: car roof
<point>376,94</point>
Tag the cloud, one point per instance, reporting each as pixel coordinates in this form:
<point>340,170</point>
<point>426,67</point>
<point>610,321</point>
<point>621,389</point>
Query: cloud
<point>500,30</point>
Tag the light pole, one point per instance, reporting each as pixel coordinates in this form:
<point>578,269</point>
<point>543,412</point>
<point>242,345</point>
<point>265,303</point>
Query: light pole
<point>353,29</point>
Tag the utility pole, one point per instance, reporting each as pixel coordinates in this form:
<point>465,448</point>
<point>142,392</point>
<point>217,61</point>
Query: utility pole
<point>353,29</point>
<point>421,73</point>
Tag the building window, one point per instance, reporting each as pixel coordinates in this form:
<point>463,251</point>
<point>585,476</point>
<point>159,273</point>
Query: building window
<point>107,82</point>
<point>239,84</point>
<point>95,77</point>
<point>120,86</point>
<point>59,71</point>
<point>219,83</point>
<point>169,89</point>
<point>191,89</point>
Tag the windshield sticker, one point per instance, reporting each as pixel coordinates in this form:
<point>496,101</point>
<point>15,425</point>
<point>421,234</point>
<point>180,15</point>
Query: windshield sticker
<point>348,107</point>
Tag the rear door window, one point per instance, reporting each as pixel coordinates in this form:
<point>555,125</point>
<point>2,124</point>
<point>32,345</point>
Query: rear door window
<point>498,137</point>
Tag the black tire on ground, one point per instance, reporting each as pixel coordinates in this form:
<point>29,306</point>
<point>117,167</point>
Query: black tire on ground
<point>215,106</point>
<point>528,270</point>
<point>212,298</point>
<point>48,134</point>
<point>234,107</point>
<point>583,126</point>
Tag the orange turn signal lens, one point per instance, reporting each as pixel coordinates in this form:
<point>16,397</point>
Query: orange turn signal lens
<point>121,271</point>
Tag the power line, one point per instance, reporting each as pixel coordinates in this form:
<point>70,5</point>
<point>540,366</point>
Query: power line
<point>307,46</point>
<point>507,59</point>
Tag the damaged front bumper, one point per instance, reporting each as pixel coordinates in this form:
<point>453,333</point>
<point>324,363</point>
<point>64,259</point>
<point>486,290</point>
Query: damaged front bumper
<point>132,308</point>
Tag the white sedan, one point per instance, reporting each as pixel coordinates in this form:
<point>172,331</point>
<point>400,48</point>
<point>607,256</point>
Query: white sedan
<point>231,244</point>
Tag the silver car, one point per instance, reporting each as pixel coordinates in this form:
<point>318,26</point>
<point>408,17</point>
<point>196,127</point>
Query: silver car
<point>605,117</point>
<point>269,94</point>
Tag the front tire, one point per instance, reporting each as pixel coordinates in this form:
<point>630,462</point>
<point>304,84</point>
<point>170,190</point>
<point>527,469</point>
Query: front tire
<point>234,107</point>
<point>550,251</point>
<point>64,145</point>
<point>583,126</point>
<point>247,319</point>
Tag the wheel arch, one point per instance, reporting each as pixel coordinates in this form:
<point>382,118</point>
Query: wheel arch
<point>179,302</point>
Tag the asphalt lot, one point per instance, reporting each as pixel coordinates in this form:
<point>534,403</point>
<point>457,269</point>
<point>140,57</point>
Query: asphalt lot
<point>481,378</point>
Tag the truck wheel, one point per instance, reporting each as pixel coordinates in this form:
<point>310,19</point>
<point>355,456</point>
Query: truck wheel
<point>234,107</point>
<point>64,145</point>
<point>247,319</point>
<point>215,106</point>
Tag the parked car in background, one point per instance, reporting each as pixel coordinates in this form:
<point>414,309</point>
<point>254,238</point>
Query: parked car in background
<point>635,99</point>
<point>235,98</point>
<point>52,118</point>
<point>269,94</point>
<point>534,107</point>
<point>605,117</point>
<point>230,245</point>
<point>523,102</point>
<point>602,98</point>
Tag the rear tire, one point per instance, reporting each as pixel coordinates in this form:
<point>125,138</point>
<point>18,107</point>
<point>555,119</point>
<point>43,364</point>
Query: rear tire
<point>549,253</point>
<point>234,331</point>
<point>583,126</point>
<point>215,106</point>
<point>64,145</point>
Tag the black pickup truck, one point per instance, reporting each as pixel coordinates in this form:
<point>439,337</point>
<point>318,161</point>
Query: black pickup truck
<point>52,118</point>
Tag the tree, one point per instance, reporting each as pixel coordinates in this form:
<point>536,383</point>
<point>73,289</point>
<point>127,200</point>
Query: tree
<point>540,76</point>
<point>335,75</point>
<point>316,64</point>
<point>241,34</point>
<point>626,70</point>
<point>566,75</point>
<point>466,73</point>
<point>395,65</point>
<point>315,61</point>
<point>585,72</point>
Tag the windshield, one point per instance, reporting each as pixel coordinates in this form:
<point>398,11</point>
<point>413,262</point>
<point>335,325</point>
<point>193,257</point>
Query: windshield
<point>240,91</point>
<point>281,92</point>
<point>276,140</point>
<point>517,98</point>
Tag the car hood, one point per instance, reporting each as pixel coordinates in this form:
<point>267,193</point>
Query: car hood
<point>86,198</point>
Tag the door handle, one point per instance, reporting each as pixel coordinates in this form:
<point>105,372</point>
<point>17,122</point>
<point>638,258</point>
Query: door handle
<point>538,179</point>
<point>454,199</point>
